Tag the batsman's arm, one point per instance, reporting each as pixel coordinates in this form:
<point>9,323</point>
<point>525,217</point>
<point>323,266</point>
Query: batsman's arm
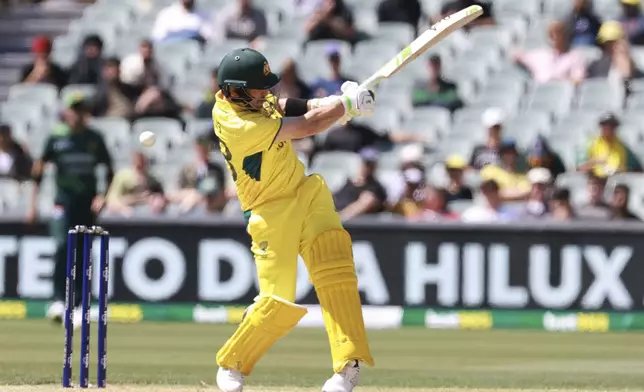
<point>311,123</point>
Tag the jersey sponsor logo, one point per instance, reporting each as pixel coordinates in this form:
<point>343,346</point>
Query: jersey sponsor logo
<point>62,144</point>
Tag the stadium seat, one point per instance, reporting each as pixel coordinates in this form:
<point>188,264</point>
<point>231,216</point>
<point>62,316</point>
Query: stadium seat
<point>87,91</point>
<point>495,36</point>
<point>526,8</point>
<point>366,20</point>
<point>557,9</point>
<point>213,53</point>
<point>600,95</point>
<point>422,127</point>
<point>65,50</point>
<point>162,127</point>
<point>43,94</point>
<point>115,130</point>
<point>383,121</point>
<point>468,114</point>
<point>437,117</point>
<point>278,51</point>
<point>398,32</point>
<point>23,111</point>
<point>198,127</point>
<point>339,160</point>
<point>318,49</point>
<point>553,97</point>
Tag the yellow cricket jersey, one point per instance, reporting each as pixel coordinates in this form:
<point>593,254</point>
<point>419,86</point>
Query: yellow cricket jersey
<point>262,170</point>
<point>614,154</point>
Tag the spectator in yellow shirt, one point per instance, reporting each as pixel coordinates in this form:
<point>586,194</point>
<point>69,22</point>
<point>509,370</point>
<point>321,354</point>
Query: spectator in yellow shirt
<point>607,154</point>
<point>513,184</point>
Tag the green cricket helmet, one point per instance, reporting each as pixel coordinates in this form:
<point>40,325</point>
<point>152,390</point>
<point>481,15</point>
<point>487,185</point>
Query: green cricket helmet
<point>246,69</point>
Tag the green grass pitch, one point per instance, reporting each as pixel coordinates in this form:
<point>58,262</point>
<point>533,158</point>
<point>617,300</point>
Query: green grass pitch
<point>171,357</point>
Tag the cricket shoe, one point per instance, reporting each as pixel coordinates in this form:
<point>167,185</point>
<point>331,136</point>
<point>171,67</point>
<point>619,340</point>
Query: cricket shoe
<point>56,311</point>
<point>229,380</point>
<point>344,381</point>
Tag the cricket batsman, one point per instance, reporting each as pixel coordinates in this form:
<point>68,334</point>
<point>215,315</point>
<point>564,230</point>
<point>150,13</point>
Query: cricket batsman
<point>288,214</point>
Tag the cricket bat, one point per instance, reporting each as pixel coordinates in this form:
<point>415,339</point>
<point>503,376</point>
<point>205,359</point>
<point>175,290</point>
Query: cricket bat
<point>425,41</point>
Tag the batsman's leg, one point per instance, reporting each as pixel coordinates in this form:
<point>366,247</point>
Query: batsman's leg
<point>327,252</point>
<point>274,312</point>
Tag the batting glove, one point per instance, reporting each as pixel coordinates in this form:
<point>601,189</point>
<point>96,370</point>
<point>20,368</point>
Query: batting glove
<point>358,101</point>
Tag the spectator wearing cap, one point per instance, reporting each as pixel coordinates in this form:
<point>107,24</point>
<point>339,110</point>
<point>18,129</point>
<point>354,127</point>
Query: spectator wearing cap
<point>411,157</point>
<point>616,62</point>
<point>633,21</point>
<point>455,166</point>
<point>204,110</point>
<point>435,206</point>
<point>560,207</point>
<point>593,205</point>
<point>88,68</point>
<point>583,24</point>
<point>182,21</point>
<point>489,207</point>
<point>606,154</point>
<point>240,20</point>
<point>540,186</point>
<point>557,62</point>
<point>15,162</point>
<point>411,202</point>
<point>42,69</point>
<point>514,184</point>
<point>619,204</point>
<point>406,11</point>
<point>331,86</point>
<point>436,91</point>
<point>364,194</point>
<point>540,154</point>
<point>488,153</point>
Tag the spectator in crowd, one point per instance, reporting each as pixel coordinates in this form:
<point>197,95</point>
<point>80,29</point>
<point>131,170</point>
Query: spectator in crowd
<point>291,85</point>
<point>240,20</point>
<point>633,21</point>
<point>513,184</point>
<point>488,153</point>
<point>208,198</point>
<point>560,207</point>
<point>42,69</point>
<point>204,110</point>
<point>76,151</point>
<point>355,136</point>
<point>135,187</point>
<point>192,192</point>
<point>616,62</point>
<point>305,8</point>
<point>140,69</point>
<point>88,68</point>
<point>540,154</point>
<point>436,91</point>
<point>489,208</point>
<point>331,86</point>
<point>606,154</point>
<point>556,62</point>
<point>619,204</point>
<point>411,157</point>
<point>333,19</point>
<point>182,21</point>
<point>435,206</point>
<point>583,24</point>
<point>456,189</point>
<point>540,186</point>
<point>364,194</point>
<point>15,162</point>
<point>411,201</point>
<point>594,207</point>
<point>407,11</point>
<point>115,98</point>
